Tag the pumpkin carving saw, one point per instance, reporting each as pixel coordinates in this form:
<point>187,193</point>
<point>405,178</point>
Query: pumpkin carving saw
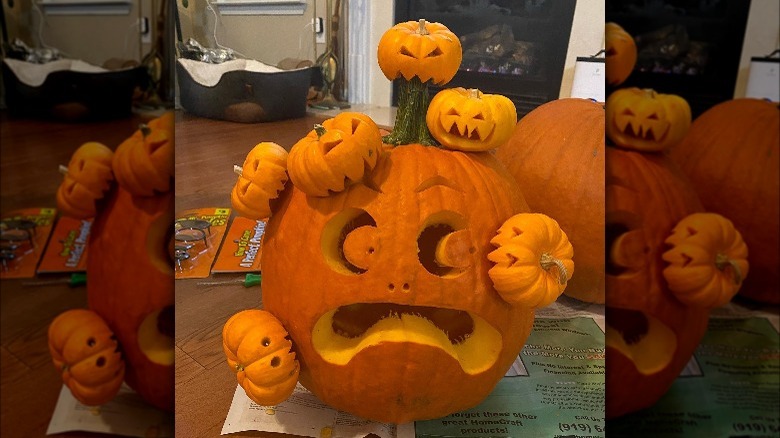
<point>423,266</point>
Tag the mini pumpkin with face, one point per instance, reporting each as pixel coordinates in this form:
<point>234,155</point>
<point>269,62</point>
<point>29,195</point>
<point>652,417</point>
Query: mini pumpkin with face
<point>642,119</point>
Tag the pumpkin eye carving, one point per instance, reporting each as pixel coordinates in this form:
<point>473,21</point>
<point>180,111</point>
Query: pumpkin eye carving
<point>444,245</point>
<point>626,246</point>
<point>350,241</point>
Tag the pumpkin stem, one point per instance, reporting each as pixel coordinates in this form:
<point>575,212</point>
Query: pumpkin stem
<point>548,261</point>
<point>145,129</point>
<point>410,126</point>
<point>474,93</point>
<point>320,130</point>
<point>63,169</point>
<point>722,261</point>
<point>239,367</point>
<point>422,30</point>
<point>238,170</point>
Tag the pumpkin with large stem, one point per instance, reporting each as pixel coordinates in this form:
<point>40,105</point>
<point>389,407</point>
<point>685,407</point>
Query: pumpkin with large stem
<point>406,268</point>
<point>417,52</point>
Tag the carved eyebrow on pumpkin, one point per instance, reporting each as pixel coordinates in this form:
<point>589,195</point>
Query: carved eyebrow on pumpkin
<point>437,180</point>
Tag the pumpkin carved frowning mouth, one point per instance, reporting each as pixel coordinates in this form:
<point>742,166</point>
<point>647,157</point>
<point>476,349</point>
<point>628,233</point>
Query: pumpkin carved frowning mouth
<point>644,339</point>
<point>342,333</point>
<point>649,129</point>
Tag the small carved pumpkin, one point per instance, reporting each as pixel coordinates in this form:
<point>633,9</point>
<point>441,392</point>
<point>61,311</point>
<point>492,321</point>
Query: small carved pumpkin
<point>87,354</point>
<point>143,164</point>
<point>621,54</point>
<point>260,180</point>
<point>428,51</point>
<point>569,158</point>
<point>258,350</point>
<point>87,178</point>
<point>655,317</point>
<point>732,157</point>
<point>335,154</point>
<point>468,120</point>
<point>533,260</point>
<point>645,120</point>
<point>707,260</point>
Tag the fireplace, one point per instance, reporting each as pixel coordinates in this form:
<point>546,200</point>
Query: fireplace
<point>514,48</point>
<point>690,48</point>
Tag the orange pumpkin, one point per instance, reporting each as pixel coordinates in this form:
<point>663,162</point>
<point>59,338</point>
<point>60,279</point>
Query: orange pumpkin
<point>410,242</point>
<point>143,163</point>
<point>421,49</point>
<point>258,351</point>
<point>87,178</point>
<point>260,180</point>
<point>468,120</point>
<point>87,354</point>
<point>645,120</point>
<point>335,154</point>
<point>732,157</point>
<point>569,159</point>
<point>653,322</point>
<point>621,53</point>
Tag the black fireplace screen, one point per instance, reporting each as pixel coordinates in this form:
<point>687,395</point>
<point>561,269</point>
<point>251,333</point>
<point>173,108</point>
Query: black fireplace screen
<point>510,47</point>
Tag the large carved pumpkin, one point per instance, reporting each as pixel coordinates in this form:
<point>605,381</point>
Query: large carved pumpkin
<point>356,279</point>
<point>569,159</point>
<point>732,156</point>
<point>655,314</point>
<point>130,269</point>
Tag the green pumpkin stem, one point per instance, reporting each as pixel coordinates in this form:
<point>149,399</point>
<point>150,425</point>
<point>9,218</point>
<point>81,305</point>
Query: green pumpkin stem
<point>410,126</point>
<point>320,130</point>
<point>722,261</point>
<point>548,261</point>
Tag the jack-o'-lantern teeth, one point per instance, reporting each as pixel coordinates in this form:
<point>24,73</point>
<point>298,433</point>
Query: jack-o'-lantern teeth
<point>650,129</point>
<point>354,320</point>
<point>648,342</point>
<point>475,129</point>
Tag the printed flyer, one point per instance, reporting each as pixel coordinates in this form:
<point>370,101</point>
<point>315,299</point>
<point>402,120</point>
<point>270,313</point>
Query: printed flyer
<point>735,393</point>
<point>241,250</point>
<point>67,249</point>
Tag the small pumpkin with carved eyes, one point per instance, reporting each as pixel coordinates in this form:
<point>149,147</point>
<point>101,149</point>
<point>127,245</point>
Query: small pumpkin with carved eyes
<point>144,161</point>
<point>469,120</point>
<point>260,180</point>
<point>86,352</point>
<point>87,178</point>
<point>644,120</point>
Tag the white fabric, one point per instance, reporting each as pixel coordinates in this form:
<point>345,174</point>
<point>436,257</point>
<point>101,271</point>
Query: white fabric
<point>208,74</point>
<point>35,74</point>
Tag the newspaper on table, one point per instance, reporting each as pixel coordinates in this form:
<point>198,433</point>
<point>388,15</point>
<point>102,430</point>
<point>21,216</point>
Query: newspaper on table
<point>127,415</point>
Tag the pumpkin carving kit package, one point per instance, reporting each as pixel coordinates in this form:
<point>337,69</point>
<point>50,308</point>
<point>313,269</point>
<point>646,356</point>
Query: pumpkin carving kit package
<point>23,237</point>
<point>430,262</point>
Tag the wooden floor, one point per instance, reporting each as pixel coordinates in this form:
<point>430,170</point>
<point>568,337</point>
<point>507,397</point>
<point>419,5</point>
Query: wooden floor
<point>30,152</point>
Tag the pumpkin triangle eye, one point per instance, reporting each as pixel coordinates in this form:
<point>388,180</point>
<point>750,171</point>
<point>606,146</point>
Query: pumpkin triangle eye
<point>627,112</point>
<point>479,116</point>
<point>404,51</point>
<point>453,112</point>
<point>653,116</point>
<point>355,125</point>
<point>329,145</point>
<point>436,52</point>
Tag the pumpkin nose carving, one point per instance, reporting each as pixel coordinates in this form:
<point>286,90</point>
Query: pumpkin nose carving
<point>401,286</point>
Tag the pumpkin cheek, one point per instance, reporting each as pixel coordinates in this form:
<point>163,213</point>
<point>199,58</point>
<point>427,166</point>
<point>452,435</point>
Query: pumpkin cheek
<point>155,336</point>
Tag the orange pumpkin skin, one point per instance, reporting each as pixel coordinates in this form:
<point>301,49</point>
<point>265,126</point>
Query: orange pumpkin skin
<point>732,156</point>
<point>315,279</point>
<point>130,280</point>
<point>646,196</point>
<point>432,53</point>
<point>621,54</point>
<point>569,158</point>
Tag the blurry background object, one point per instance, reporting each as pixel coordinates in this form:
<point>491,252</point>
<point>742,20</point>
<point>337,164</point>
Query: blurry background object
<point>589,77</point>
<point>764,79</point>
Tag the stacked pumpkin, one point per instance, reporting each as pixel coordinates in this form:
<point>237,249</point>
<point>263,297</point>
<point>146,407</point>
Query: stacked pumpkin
<point>668,261</point>
<point>400,273</point>
<point>127,333</point>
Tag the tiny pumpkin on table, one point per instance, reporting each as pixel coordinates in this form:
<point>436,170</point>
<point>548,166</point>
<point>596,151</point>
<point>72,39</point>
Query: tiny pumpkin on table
<point>260,179</point>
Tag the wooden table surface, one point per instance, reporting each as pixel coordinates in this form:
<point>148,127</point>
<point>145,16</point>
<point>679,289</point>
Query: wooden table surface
<point>206,151</point>
<point>30,151</point>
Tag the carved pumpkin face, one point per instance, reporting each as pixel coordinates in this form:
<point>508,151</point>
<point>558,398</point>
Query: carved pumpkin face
<point>659,257</point>
<point>87,178</point>
<point>260,180</point>
<point>621,54</point>
<point>469,120</point>
<point>645,120</point>
<point>390,278</point>
<point>428,51</point>
<point>144,162</point>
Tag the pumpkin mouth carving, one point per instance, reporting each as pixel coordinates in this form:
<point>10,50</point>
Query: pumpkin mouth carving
<point>342,333</point>
<point>477,129</point>
<point>645,340</point>
<point>649,130</point>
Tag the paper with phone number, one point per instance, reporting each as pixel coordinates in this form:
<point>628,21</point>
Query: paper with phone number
<point>734,393</point>
<point>558,389</point>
